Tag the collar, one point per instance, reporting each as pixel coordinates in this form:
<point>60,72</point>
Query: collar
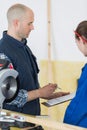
<point>13,40</point>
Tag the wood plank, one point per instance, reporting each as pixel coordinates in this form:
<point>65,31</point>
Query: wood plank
<point>46,122</point>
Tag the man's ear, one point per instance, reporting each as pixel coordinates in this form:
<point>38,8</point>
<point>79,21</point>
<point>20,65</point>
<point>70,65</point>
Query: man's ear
<point>15,22</point>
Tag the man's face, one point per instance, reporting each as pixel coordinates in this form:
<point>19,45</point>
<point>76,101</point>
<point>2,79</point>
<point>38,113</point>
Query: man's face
<point>25,26</point>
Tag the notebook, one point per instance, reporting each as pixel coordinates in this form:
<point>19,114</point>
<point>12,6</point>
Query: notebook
<point>59,100</point>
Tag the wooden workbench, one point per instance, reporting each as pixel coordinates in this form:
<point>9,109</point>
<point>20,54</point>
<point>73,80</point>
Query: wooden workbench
<point>47,123</point>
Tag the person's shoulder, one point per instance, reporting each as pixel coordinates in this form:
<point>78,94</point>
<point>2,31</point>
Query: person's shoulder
<point>84,67</point>
<point>1,42</point>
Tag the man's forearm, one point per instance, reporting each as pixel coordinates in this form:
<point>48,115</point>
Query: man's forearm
<point>33,94</point>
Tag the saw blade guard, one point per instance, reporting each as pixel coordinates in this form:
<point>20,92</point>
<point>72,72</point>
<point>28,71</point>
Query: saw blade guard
<point>8,83</point>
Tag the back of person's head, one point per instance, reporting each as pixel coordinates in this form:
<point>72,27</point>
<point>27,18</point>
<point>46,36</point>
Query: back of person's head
<point>17,11</point>
<point>81,30</point>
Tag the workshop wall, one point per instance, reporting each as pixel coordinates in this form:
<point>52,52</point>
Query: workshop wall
<point>65,74</point>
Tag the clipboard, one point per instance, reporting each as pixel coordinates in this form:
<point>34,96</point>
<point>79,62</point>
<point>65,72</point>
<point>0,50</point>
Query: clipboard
<point>55,101</point>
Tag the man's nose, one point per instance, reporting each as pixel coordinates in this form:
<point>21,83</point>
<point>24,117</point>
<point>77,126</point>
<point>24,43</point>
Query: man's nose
<point>32,27</point>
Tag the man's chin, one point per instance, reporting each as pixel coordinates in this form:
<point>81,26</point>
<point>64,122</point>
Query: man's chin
<point>26,36</point>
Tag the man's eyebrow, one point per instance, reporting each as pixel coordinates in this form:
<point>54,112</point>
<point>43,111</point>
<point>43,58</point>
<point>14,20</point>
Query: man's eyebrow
<point>30,22</point>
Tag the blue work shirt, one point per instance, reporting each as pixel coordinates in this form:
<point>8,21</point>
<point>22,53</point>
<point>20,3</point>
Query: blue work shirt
<point>76,112</point>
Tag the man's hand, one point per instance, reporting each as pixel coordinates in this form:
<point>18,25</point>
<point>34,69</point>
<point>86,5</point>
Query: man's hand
<point>58,94</point>
<point>46,91</point>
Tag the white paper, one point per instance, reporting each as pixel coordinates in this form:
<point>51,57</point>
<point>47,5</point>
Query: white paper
<point>59,100</point>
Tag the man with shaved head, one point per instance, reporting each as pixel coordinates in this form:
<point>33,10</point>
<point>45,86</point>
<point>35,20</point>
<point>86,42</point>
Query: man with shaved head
<point>13,47</point>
